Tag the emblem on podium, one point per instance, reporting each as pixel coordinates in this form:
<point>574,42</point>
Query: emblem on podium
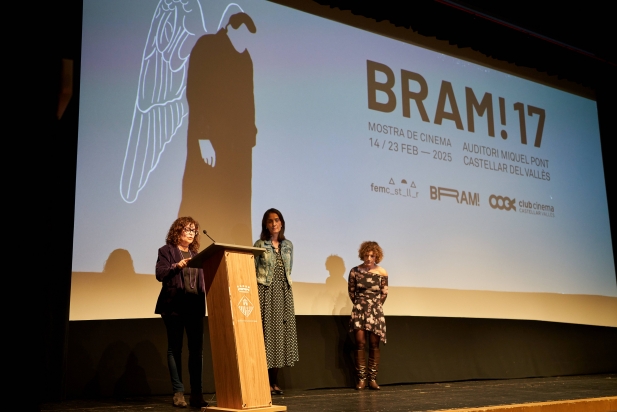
<point>245,306</point>
<point>243,288</point>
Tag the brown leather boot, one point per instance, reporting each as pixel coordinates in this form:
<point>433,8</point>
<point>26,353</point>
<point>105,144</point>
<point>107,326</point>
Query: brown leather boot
<point>360,360</point>
<point>373,366</point>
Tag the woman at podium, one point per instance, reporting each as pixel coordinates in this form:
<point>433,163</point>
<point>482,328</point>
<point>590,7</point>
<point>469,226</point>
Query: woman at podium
<point>278,316</point>
<point>368,289</point>
<point>182,305</point>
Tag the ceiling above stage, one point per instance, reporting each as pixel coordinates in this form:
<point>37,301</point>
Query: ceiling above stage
<point>589,26</point>
<point>572,41</point>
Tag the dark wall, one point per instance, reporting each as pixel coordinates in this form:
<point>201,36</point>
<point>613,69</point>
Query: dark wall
<point>116,358</point>
<point>49,161</point>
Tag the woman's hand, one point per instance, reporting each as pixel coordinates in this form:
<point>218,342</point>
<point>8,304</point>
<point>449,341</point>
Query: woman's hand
<point>183,263</point>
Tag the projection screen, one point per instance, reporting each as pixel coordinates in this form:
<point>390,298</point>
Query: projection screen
<point>485,189</point>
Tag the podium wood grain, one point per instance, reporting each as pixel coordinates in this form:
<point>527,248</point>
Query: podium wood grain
<point>236,334</point>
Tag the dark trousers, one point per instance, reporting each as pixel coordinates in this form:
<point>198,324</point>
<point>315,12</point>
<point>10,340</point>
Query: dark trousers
<point>194,326</point>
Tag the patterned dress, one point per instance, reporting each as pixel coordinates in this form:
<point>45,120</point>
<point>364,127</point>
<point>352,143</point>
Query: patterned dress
<point>368,291</point>
<point>278,318</point>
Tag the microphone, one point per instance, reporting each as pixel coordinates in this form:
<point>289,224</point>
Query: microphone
<point>206,233</point>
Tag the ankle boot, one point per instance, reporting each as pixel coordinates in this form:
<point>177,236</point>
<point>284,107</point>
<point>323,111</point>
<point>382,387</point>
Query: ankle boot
<point>197,399</point>
<point>360,360</point>
<point>178,400</point>
<point>373,366</point>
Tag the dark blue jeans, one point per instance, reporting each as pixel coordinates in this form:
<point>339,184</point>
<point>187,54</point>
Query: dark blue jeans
<point>194,326</point>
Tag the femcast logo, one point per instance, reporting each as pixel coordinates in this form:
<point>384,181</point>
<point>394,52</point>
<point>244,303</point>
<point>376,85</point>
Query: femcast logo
<point>461,197</point>
<point>502,203</point>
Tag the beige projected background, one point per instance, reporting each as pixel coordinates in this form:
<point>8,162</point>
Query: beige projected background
<point>119,293</point>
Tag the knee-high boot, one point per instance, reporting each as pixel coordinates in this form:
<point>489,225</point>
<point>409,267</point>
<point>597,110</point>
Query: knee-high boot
<point>373,367</point>
<point>360,360</point>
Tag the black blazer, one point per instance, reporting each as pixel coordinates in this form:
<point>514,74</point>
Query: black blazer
<point>172,290</point>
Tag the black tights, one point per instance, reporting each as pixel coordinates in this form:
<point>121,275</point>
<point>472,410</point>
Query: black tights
<point>361,339</point>
<point>273,377</point>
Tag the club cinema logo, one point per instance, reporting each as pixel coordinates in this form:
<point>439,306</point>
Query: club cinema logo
<point>536,208</point>
<point>461,197</point>
<point>502,203</point>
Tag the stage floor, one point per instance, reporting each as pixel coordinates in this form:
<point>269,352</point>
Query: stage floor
<point>392,398</point>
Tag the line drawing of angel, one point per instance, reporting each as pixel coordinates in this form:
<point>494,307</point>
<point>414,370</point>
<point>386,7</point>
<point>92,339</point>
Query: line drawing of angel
<point>160,105</point>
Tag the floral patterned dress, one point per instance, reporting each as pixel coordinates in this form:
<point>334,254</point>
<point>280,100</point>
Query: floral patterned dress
<point>368,291</point>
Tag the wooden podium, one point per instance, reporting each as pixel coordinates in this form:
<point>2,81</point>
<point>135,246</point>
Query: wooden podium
<point>236,334</point>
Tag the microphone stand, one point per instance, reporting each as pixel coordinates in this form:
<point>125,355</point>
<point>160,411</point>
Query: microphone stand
<point>206,233</point>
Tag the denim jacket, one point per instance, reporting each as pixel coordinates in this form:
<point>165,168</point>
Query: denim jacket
<point>264,264</point>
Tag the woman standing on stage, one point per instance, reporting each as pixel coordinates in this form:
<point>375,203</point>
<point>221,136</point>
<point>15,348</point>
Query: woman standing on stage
<point>278,316</point>
<point>368,289</point>
<point>182,305</point>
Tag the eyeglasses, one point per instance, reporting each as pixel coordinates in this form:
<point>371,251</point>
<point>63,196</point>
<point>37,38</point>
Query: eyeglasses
<point>188,230</point>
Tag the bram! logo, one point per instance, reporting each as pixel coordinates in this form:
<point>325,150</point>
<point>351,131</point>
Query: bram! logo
<point>461,197</point>
<point>502,203</point>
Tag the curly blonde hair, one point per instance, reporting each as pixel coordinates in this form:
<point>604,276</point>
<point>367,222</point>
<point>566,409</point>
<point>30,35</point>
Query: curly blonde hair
<point>370,246</point>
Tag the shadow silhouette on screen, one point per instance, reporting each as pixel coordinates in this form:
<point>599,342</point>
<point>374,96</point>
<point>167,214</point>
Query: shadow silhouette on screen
<point>333,294</point>
<point>336,285</point>
<point>338,299</point>
<point>119,263</point>
<point>216,187</point>
<point>116,292</point>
